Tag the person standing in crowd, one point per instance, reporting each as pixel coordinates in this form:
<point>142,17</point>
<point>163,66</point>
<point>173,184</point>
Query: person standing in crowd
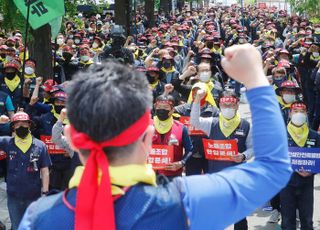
<point>185,202</point>
<point>11,83</point>
<point>169,132</point>
<point>198,164</point>
<point>228,126</point>
<point>60,171</point>
<point>27,167</point>
<point>298,194</point>
<point>287,94</point>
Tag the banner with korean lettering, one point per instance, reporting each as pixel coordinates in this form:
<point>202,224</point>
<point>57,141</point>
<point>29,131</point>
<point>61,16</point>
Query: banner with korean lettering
<point>307,159</point>
<point>52,147</point>
<point>160,156</point>
<point>41,11</point>
<point>220,150</point>
<point>191,129</point>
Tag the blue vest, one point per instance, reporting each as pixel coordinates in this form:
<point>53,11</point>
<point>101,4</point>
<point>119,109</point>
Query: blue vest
<point>23,180</point>
<point>47,122</point>
<point>240,133</point>
<point>142,207</point>
<point>16,95</point>
<point>313,141</point>
<point>3,99</point>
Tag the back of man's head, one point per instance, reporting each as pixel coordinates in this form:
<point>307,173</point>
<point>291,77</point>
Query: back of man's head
<point>105,100</point>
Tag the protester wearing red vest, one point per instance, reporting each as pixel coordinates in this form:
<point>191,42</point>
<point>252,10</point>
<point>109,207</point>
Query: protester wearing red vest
<point>172,133</point>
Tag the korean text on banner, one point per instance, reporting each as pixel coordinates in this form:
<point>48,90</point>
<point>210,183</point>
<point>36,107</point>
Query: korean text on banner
<point>52,147</point>
<point>307,159</point>
<point>160,156</point>
<point>41,11</point>
<point>220,150</point>
<point>191,129</point>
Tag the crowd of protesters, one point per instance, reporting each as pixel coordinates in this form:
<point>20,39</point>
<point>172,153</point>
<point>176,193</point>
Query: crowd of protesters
<point>194,98</point>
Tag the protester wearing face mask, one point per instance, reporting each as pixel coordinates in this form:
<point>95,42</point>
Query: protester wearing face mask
<point>227,128</point>
<point>68,63</point>
<point>298,194</point>
<point>168,73</point>
<point>27,167</point>
<point>3,49</point>
<point>169,132</point>
<point>157,86</point>
<point>85,59</point>
<point>197,164</point>
<point>287,94</point>
<point>10,82</point>
<point>77,39</point>
<point>29,77</point>
<point>61,171</point>
<point>97,45</point>
<point>279,75</point>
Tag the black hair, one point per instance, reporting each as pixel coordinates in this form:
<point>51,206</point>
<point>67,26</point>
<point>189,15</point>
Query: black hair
<point>107,99</point>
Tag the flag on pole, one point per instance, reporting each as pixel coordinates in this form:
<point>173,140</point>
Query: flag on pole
<point>55,27</point>
<point>41,11</point>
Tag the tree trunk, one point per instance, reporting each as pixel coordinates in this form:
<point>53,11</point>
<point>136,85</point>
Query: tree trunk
<point>122,14</point>
<point>149,9</point>
<point>40,51</point>
<point>165,6</point>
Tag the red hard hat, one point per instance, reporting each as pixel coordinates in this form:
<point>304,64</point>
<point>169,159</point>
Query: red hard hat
<point>48,85</point>
<point>20,116</point>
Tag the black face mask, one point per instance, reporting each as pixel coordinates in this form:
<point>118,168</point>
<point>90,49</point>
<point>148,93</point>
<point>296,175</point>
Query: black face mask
<point>3,55</point>
<point>162,114</point>
<point>151,79</point>
<point>210,45</point>
<point>58,108</point>
<point>22,132</point>
<point>67,56</point>
<point>10,76</point>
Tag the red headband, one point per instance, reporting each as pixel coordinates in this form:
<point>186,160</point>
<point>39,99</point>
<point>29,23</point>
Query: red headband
<point>166,102</point>
<point>298,106</point>
<point>94,209</point>
<point>228,100</point>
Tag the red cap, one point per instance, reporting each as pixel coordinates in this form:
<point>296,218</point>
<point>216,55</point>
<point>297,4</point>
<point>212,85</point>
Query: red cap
<point>14,63</point>
<point>48,85</point>
<point>288,85</point>
<point>67,49</point>
<point>298,105</point>
<point>62,96</point>
<point>153,69</point>
<point>20,116</point>
<point>284,63</point>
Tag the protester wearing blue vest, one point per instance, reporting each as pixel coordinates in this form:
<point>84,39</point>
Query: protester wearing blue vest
<point>228,126</point>
<point>11,83</point>
<point>105,132</point>
<point>298,194</point>
<point>61,171</point>
<point>27,167</point>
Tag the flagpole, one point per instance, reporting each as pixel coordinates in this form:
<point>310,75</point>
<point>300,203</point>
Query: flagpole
<point>26,37</point>
<point>25,47</point>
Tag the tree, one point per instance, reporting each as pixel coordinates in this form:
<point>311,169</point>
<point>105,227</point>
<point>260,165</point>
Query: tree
<point>39,42</point>
<point>309,7</point>
<point>122,8</point>
<point>149,9</point>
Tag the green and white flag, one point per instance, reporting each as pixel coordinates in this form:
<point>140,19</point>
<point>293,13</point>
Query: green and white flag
<point>41,11</point>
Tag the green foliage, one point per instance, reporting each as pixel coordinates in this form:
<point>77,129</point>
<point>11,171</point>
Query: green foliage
<point>309,7</point>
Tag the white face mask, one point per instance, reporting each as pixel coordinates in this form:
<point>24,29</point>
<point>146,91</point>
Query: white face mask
<point>299,119</point>
<point>315,54</point>
<point>60,41</point>
<point>77,41</point>
<point>205,76</point>
<point>289,98</point>
<point>85,58</point>
<point>29,70</point>
<point>317,30</point>
<point>95,45</point>
<point>228,113</point>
